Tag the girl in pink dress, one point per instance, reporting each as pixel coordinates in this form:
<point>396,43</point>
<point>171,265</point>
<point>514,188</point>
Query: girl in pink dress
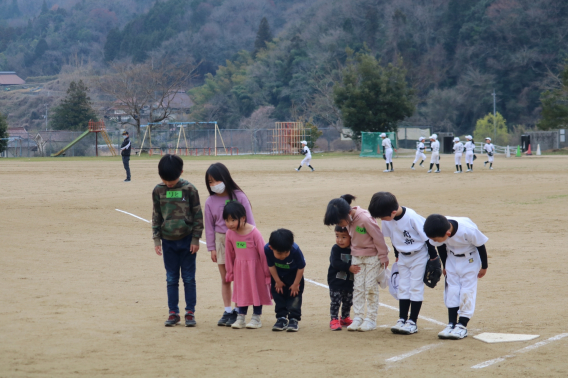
<point>246,265</point>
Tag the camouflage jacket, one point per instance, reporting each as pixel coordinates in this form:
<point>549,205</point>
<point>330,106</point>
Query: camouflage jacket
<point>176,213</point>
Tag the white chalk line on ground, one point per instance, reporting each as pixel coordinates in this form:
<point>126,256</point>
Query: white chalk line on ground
<point>310,281</point>
<point>412,352</point>
<point>523,350</point>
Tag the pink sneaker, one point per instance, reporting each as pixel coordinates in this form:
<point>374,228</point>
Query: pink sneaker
<point>335,325</point>
<point>346,321</point>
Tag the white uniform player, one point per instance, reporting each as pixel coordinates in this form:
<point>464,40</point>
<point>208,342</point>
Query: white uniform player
<point>419,153</point>
<point>387,152</point>
<point>435,158</point>
<point>469,151</point>
<point>463,253</point>
<point>406,231</point>
<point>490,150</point>
<point>307,156</point>
<point>458,151</point>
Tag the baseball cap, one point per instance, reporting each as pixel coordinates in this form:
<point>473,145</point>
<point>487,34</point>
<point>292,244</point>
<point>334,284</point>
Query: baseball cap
<point>456,139</point>
<point>383,135</point>
<point>489,139</point>
<point>125,132</point>
<point>303,142</point>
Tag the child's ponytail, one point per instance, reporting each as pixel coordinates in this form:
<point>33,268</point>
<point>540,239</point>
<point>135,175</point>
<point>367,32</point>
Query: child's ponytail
<point>338,209</point>
<point>348,198</point>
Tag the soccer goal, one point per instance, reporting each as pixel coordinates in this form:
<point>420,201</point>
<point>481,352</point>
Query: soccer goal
<point>371,144</point>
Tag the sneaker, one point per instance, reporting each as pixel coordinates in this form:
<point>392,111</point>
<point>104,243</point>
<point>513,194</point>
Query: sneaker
<point>254,322</point>
<point>280,325</point>
<point>293,326</point>
<point>409,328</point>
<point>224,319</point>
<point>446,332</point>
<point>239,323</point>
<point>485,164</point>
<point>457,172</point>
<point>335,325</point>
<point>313,169</point>
<point>438,171</point>
<point>429,171</point>
<point>386,170</point>
<point>469,170</point>
<point>232,318</point>
<point>296,169</point>
<point>190,319</point>
<point>392,170</point>
<point>127,180</point>
<point>459,332</point>
<point>491,168</point>
<point>355,324</point>
<point>173,319</point>
<point>420,165</point>
<point>368,325</point>
<point>413,168</point>
<point>398,326</point>
<point>345,322</point>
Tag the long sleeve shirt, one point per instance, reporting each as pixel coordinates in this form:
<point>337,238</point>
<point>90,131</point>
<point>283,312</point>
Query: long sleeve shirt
<point>366,236</point>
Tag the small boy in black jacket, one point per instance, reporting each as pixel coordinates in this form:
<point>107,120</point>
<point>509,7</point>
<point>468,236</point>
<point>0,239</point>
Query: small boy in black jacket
<point>340,279</point>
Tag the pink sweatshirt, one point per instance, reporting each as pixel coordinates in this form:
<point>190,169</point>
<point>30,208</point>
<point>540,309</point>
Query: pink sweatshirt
<point>366,236</point>
<point>214,221</point>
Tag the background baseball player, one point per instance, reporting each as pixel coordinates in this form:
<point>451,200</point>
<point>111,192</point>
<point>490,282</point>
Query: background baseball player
<point>469,150</point>
<point>462,249</point>
<point>405,228</point>
<point>308,156</point>
<point>419,152</point>
<point>490,149</point>
<point>435,158</point>
<point>458,151</point>
<point>387,152</point>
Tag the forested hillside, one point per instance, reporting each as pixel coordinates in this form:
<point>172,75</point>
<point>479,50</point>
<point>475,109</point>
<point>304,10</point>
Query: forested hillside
<point>455,51</point>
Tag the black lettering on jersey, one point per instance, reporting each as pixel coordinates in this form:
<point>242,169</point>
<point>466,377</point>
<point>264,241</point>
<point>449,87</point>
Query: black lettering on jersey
<point>408,239</point>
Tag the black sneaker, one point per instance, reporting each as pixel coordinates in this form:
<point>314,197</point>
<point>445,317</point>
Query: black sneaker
<point>190,319</point>
<point>232,318</point>
<point>293,326</point>
<point>224,319</point>
<point>173,319</point>
<point>280,325</point>
<point>127,180</point>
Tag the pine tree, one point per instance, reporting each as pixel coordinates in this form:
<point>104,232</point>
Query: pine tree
<point>262,36</point>
<point>14,10</point>
<point>75,110</point>
<point>41,48</point>
<point>44,8</point>
<point>112,45</point>
<point>3,132</point>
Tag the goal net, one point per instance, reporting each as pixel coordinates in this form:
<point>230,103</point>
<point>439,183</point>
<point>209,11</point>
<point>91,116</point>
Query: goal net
<point>371,144</point>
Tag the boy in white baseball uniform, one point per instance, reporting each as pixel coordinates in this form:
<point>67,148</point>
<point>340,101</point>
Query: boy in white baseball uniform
<point>462,249</point>
<point>435,158</point>
<point>387,152</point>
<point>412,249</point>
<point>469,150</point>
<point>490,149</point>
<point>419,152</point>
<point>458,150</point>
<point>307,156</point>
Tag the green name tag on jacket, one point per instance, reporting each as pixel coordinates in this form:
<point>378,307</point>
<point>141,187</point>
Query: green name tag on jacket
<point>282,266</point>
<point>174,194</point>
<point>361,230</point>
<point>241,245</point>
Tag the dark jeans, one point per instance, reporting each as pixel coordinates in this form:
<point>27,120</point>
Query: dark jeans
<point>256,310</point>
<point>339,297</point>
<point>285,305</point>
<point>178,258</point>
<point>126,163</point>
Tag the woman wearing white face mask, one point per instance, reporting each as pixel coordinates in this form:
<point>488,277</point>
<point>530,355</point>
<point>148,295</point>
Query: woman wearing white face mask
<point>222,189</point>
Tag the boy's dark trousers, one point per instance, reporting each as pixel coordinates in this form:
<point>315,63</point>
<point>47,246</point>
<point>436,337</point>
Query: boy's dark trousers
<point>285,305</point>
<point>178,258</point>
<point>126,163</point>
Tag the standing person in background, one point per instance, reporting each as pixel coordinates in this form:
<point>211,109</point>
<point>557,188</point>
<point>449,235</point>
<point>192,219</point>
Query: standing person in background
<point>458,151</point>
<point>490,149</point>
<point>125,152</point>
<point>435,159</point>
<point>469,149</point>
<point>387,152</point>
<point>222,190</point>
<point>419,153</point>
<point>308,156</point>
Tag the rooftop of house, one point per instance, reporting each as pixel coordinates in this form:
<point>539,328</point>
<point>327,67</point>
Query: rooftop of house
<point>10,78</point>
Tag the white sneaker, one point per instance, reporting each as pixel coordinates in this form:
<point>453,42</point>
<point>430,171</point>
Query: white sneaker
<point>446,332</point>
<point>420,165</point>
<point>459,332</point>
<point>412,168</point>
<point>429,171</point>
<point>386,170</point>
<point>491,168</point>
<point>469,170</point>
<point>355,325</point>
<point>254,322</point>
<point>296,169</point>
<point>398,326</point>
<point>409,328</point>
<point>368,325</point>
<point>438,171</point>
<point>485,164</point>
<point>239,323</point>
<point>457,172</point>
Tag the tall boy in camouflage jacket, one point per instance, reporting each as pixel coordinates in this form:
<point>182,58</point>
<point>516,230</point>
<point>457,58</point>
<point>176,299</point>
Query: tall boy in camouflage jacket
<point>177,225</point>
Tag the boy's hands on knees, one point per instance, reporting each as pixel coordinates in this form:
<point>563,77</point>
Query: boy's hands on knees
<point>295,289</point>
<point>444,271</point>
<point>482,273</point>
<point>279,286</point>
<point>354,269</point>
<point>193,249</point>
<point>213,255</point>
<point>158,249</point>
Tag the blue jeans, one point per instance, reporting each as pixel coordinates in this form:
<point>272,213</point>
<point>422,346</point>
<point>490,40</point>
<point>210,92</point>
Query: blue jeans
<point>178,258</point>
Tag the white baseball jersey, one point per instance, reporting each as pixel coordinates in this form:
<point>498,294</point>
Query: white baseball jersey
<point>466,239</point>
<point>469,146</point>
<point>420,147</point>
<point>458,148</point>
<point>489,147</point>
<point>387,144</point>
<point>308,154</point>
<point>435,146</point>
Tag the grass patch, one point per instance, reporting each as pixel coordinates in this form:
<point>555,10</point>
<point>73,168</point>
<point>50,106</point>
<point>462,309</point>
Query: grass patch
<point>561,151</point>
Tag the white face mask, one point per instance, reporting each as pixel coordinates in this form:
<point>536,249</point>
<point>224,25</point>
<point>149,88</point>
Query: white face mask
<point>219,188</point>
<point>125,136</point>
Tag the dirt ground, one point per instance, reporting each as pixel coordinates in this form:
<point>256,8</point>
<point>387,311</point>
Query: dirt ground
<point>82,292</point>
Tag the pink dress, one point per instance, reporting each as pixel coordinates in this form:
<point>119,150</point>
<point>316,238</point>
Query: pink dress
<point>246,265</point>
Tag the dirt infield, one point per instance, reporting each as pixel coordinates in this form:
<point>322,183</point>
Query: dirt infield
<point>82,292</point>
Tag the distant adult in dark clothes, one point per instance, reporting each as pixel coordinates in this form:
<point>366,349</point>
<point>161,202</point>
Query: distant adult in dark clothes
<point>125,152</point>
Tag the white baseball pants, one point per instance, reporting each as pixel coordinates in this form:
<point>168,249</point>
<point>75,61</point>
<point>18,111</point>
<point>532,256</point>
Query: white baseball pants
<point>411,275</point>
<point>435,158</point>
<point>419,156</point>
<point>306,161</point>
<point>490,159</point>
<point>365,287</point>
<point>461,282</point>
<point>469,157</point>
<point>388,155</point>
<point>458,159</point>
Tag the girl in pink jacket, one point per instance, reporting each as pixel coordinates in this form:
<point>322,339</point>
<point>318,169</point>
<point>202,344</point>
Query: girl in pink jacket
<point>246,265</point>
<point>368,250</point>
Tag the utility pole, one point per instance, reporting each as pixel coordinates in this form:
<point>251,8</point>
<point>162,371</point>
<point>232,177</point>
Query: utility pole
<point>45,117</point>
<point>494,118</point>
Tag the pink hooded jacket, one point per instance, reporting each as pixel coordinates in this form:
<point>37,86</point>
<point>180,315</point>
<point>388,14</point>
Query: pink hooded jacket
<point>366,236</point>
